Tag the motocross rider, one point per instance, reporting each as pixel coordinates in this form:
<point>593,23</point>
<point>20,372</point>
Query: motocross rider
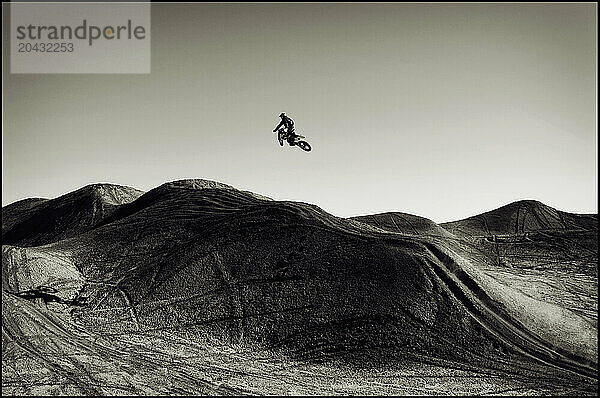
<point>288,125</point>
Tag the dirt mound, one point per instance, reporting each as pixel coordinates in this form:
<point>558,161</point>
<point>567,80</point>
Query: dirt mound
<point>223,265</point>
<point>47,221</point>
<point>403,223</point>
<point>17,211</point>
<point>520,217</point>
<point>215,266</point>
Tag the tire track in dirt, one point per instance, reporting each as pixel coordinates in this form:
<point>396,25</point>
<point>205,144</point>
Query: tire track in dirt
<point>482,308</point>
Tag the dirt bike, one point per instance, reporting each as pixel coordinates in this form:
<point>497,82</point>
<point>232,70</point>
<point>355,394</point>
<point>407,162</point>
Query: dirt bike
<point>293,139</point>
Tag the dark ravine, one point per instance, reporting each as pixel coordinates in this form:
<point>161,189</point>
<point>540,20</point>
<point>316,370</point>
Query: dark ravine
<point>288,287</point>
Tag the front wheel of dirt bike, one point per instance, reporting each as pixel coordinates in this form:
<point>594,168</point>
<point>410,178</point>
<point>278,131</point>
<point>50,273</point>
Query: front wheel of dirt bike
<point>304,145</point>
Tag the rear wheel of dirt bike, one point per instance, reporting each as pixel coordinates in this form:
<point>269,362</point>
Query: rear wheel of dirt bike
<point>304,145</point>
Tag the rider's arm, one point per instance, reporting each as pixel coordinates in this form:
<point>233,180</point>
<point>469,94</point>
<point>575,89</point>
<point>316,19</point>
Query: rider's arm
<point>279,125</point>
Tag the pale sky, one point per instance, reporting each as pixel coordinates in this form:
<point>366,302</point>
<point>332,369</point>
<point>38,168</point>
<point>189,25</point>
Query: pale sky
<point>439,110</point>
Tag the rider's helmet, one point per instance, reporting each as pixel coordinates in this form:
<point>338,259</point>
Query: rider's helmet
<point>282,114</point>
